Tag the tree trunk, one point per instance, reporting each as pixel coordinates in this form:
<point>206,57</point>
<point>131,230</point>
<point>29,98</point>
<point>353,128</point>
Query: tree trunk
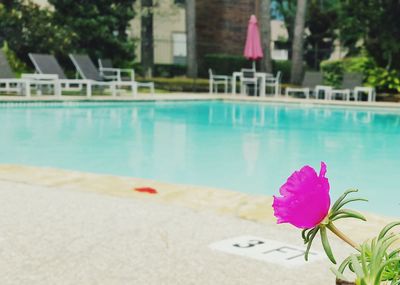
<point>265,7</point>
<point>191,38</point>
<point>147,37</point>
<point>298,39</point>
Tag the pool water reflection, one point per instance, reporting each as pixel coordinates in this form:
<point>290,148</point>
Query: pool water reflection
<point>244,147</point>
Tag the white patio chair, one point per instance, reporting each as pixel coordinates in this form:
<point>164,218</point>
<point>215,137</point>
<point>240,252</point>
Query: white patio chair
<point>216,80</point>
<point>109,72</point>
<point>274,83</point>
<point>248,77</point>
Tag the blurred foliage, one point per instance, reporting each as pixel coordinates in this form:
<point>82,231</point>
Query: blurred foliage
<point>28,28</point>
<point>386,81</point>
<point>181,84</point>
<point>15,63</point>
<point>334,70</point>
<point>284,66</point>
<point>169,70</point>
<point>374,26</point>
<point>100,27</point>
<point>223,64</point>
<point>321,24</point>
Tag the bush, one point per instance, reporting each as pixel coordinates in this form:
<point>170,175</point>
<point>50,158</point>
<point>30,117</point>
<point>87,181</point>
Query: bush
<point>284,66</point>
<point>223,64</point>
<point>383,80</point>
<point>15,63</point>
<point>181,84</point>
<point>169,70</point>
<point>334,70</point>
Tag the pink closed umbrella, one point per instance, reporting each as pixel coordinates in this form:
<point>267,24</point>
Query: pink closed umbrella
<point>253,49</point>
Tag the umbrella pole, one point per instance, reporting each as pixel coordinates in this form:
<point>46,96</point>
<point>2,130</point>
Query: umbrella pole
<point>254,64</point>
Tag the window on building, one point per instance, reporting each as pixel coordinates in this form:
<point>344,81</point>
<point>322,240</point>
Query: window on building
<point>179,48</point>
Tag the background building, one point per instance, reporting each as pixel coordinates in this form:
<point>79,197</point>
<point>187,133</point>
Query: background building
<point>221,28</point>
<point>169,32</point>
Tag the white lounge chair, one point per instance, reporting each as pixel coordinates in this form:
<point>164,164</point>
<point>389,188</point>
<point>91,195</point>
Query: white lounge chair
<point>312,83</point>
<point>48,64</point>
<point>351,86</point>
<point>20,86</point>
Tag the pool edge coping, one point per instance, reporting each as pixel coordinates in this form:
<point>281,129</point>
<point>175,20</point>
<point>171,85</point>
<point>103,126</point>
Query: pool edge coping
<point>255,208</point>
<point>199,97</point>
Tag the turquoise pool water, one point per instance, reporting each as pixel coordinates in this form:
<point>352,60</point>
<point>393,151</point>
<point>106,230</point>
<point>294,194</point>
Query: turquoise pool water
<point>244,147</point>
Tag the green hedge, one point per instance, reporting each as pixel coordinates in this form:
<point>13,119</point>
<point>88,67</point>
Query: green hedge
<point>284,66</point>
<point>169,70</point>
<point>181,84</point>
<point>223,64</point>
<point>162,70</point>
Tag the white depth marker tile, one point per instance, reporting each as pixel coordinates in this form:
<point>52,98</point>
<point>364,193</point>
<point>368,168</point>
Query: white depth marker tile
<point>271,251</point>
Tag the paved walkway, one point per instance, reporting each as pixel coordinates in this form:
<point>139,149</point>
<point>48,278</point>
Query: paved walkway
<point>60,227</point>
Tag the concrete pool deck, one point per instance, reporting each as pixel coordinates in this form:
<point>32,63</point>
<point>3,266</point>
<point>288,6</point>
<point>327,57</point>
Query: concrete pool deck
<point>198,96</point>
<point>68,227</point>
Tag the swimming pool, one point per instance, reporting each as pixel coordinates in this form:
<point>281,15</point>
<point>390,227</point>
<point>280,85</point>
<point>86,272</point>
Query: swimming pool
<point>247,147</point>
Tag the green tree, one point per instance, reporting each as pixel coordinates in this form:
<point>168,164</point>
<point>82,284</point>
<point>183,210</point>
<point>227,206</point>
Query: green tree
<point>375,26</point>
<point>321,26</point>
<point>28,28</point>
<point>147,37</point>
<point>298,40</point>
<point>101,27</point>
<point>286,10</point>
<point>265,7</point>
<point>191,38</point>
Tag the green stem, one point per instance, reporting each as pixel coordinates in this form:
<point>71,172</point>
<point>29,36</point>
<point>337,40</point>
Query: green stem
<point>342,236</point>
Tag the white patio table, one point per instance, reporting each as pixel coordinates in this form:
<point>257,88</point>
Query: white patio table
<point>262,76</point>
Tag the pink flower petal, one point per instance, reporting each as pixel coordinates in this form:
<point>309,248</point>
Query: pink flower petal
<point>305,198</point>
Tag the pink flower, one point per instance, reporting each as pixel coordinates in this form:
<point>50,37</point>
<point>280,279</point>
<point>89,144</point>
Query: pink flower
<point>305,198</point>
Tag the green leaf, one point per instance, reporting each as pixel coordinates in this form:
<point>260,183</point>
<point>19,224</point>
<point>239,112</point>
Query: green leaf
<point>350,213</point>
<point>327,247</point>
<point>303,235</point>
<point>341,198</point>
<point>385,230</point>
<point>378,276</point>
<point>343,216</point>
<point>356,266</point>
<point>344,264</point>
<point>311,239</point>
<point>339,275</point>
<point>349,201</point>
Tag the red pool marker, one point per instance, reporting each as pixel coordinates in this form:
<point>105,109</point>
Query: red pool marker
<point>146,190</point>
